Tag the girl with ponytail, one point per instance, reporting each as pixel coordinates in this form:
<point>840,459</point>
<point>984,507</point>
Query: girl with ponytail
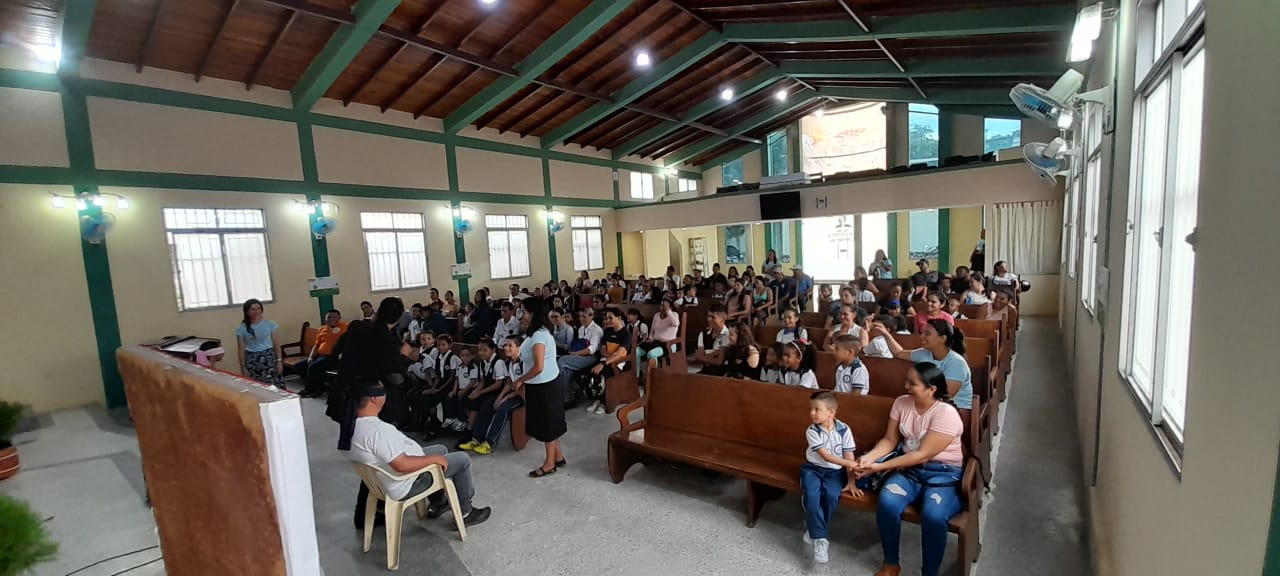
<point>944,347</point>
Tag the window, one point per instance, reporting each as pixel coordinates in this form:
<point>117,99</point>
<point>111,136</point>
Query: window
<point>850,139</point>
<point>875,236</point>
<point>687,185</point>
<point>1092,191</point>
<point>922,135</point>
<point>508,246</point>
<point>731,173</point>
<point>588,242</point>
<point>641,186</point>
<point>829,247</point>
<point>219,256</point>
<point>776,144</point>
<point>1069,220</point>
<point>923,235</point>
<point>1000,133</point>
<point>397,248</point>
<point>1159,246</point>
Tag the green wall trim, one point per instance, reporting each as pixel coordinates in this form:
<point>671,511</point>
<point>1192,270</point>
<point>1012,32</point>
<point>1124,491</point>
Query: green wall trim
<point>944,240</point>
<point>946,135</point>
<point>546,222</point>
<point>1271,563</point>
<point>97,262</point>
<point>319,245</point>
<point>339,51</point>
<point>893,243</point>
<point>795,134</point>
<point>35,175</point>
<point>768,238</point>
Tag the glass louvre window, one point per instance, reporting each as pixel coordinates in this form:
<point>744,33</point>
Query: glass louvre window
<point>397,248</point>
<point>219,256</point>
<point>508,245</point>
<point>588,242</point>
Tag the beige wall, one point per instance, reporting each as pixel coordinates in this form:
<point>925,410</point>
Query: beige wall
<point>966,226</point>
<point>657,255</point>
<point>633,260</point>
<point>1214,518</point>
<point>142,275</point>
<point>573,180</point>
<point>49,352</point>
<point>350,157</point>
<point>497,173</point>
<point>36,118</point>
<point>152,138</point>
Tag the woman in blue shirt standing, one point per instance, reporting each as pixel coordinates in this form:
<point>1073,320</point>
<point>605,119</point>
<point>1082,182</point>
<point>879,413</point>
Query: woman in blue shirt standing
<point>544,401</point>
<point>258,344</point>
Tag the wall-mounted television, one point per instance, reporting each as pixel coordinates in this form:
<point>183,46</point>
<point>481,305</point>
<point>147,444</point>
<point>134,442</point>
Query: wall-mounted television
<point>780,206</point>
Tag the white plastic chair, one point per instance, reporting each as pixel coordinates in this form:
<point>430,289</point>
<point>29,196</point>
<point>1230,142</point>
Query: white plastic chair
<point>395,509</point>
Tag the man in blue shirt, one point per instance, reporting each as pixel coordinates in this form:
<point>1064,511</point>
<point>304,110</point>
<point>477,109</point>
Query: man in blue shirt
<point>801,287</point>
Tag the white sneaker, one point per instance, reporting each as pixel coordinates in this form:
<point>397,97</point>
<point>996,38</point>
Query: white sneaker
<point>459,426</point>
<point>592,407</point>
<point>599,408</point>
<point>820,550</point>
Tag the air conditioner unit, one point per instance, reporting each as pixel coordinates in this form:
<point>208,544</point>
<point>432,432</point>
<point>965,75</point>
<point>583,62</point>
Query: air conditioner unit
<point>784,181</point>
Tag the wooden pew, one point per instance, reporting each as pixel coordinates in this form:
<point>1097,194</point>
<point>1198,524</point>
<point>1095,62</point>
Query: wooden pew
<point>766,335</point>
<point>758,436</point>
<point>813,319</point>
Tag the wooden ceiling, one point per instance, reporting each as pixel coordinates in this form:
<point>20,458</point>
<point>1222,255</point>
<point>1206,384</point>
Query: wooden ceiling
<point>433,57</point>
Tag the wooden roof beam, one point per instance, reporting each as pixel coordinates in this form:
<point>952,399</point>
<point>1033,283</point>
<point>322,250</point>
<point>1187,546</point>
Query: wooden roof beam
<point>222,28</point>
<point>793,103</point>
<point>982,22</point>
<point>341,49</point>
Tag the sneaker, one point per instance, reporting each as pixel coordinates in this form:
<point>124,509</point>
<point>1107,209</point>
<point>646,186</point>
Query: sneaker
<point>476,516</point>
<point>459,425</point>
<point>468,445</point>
<point>448,423</point>
<point>820,550</point>
<point>438,510</point>
<point>484,448</point>
<point>591,408</point>
<point>600,408</point>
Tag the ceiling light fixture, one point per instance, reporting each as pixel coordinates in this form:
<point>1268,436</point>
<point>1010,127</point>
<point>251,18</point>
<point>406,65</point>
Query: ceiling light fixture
<point>819,112</point>
<point>1087,29</point>
<point>642,59</point>
<point>726,94</point>
<point>781,95</point>
<point>488,2</point>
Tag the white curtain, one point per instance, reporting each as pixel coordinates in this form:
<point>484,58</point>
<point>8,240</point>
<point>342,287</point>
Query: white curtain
<point>1027,235</point>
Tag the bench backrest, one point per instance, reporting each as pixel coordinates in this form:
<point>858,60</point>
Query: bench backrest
<point>813,319</point>
<point>767,335</point>
<point>309,335</point>
<point>975,311</point>
<point>887,375</point>
<point>767,416</point>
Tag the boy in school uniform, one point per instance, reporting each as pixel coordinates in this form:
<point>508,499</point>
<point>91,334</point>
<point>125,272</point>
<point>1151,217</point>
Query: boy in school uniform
<point>508,324</point>
<point>851,376</point>
<point>447,365</point>
<point>824,475</point>
<point>711,344</point>
<point>467,373</point>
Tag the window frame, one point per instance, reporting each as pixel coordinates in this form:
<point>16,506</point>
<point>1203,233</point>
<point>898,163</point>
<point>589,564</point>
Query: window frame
<point>919,109</point>
<point>507,229</point>
<point>738,162</point>
<point>779,135</point>
<point>986,119</point>
<point>687,185</point>
<point>586,225</point>
<point>1090,201</point>
<point>222,233</point>
<point>1169,57</point>
<point>426,251</point>
<point>642,178</point>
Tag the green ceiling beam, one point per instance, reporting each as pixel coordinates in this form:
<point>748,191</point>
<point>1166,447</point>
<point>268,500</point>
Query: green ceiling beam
<point>661,73</point>
<point>754,84</point>
<point>563,42</point>
<point>727,157</point>
<point>936,97</point>
<point>931,68</point>
<point>986,110</point>
<point>780,109</point>
<point>75,35</point>
<point>341,49</point>
<point>935,25</point>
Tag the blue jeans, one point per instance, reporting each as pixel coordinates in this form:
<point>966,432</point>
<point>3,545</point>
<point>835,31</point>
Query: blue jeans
<point>312,371</point>
<point>492,427</point>
<point>570,366</point>
<point>821,488</point>
<point>935,487</point>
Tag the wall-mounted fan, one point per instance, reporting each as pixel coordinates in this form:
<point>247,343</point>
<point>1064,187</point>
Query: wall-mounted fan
<point>1056,106</point>
<point>94,227</point>
<point>323,226</point>
<point>1048,159</point>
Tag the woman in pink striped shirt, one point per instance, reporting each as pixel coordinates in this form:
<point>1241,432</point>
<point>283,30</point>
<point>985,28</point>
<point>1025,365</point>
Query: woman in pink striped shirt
<point>664,330</point>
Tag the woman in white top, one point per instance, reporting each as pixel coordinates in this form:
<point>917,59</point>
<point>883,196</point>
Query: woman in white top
<point>544,413</point>
<point>975,294</point>
<point>848,325</point>
<point>770,262</point>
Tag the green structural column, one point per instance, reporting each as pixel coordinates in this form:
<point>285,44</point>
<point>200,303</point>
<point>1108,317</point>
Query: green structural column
<point>768,238</point>
<point>893,244</point>
<point>944,240</point>
<point>798,253</point>
<point>794,136</point>
<point>546,219</point>
<point>618,242</point>
<point>311,177</point>
<point>97,264</point>
<point>459,244</point>
<point>1271,565</point>
<point>946,134</point>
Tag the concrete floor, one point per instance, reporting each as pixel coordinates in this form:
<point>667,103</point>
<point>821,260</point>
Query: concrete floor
<point>82,472</point>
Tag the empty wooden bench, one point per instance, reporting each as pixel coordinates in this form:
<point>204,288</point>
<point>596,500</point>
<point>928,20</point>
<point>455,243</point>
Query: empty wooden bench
<point>755,431</point>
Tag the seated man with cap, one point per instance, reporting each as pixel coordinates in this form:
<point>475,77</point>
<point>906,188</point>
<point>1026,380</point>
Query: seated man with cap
<point>381,444</point>
<point>801,287</point>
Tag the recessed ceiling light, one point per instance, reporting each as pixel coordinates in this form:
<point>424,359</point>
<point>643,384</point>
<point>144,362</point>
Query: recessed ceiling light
<point>642,59</point>
<point>726,94</point>
<point>781,95</point>
<point>819,112</point>
<point>489,2</point>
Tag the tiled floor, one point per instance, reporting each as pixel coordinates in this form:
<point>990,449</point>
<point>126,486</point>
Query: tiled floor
<point>82,471</point>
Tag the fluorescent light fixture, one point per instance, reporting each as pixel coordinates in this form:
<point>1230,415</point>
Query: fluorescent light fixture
<point>1088,28</point>
<point>1065,119</point>
<point>819,112</point>
<point>726,94</point>
<point>122,203</point>
<point>781,95</point>
<point>58,201</point>
<point>488,2</point>
<point>642,59</point>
